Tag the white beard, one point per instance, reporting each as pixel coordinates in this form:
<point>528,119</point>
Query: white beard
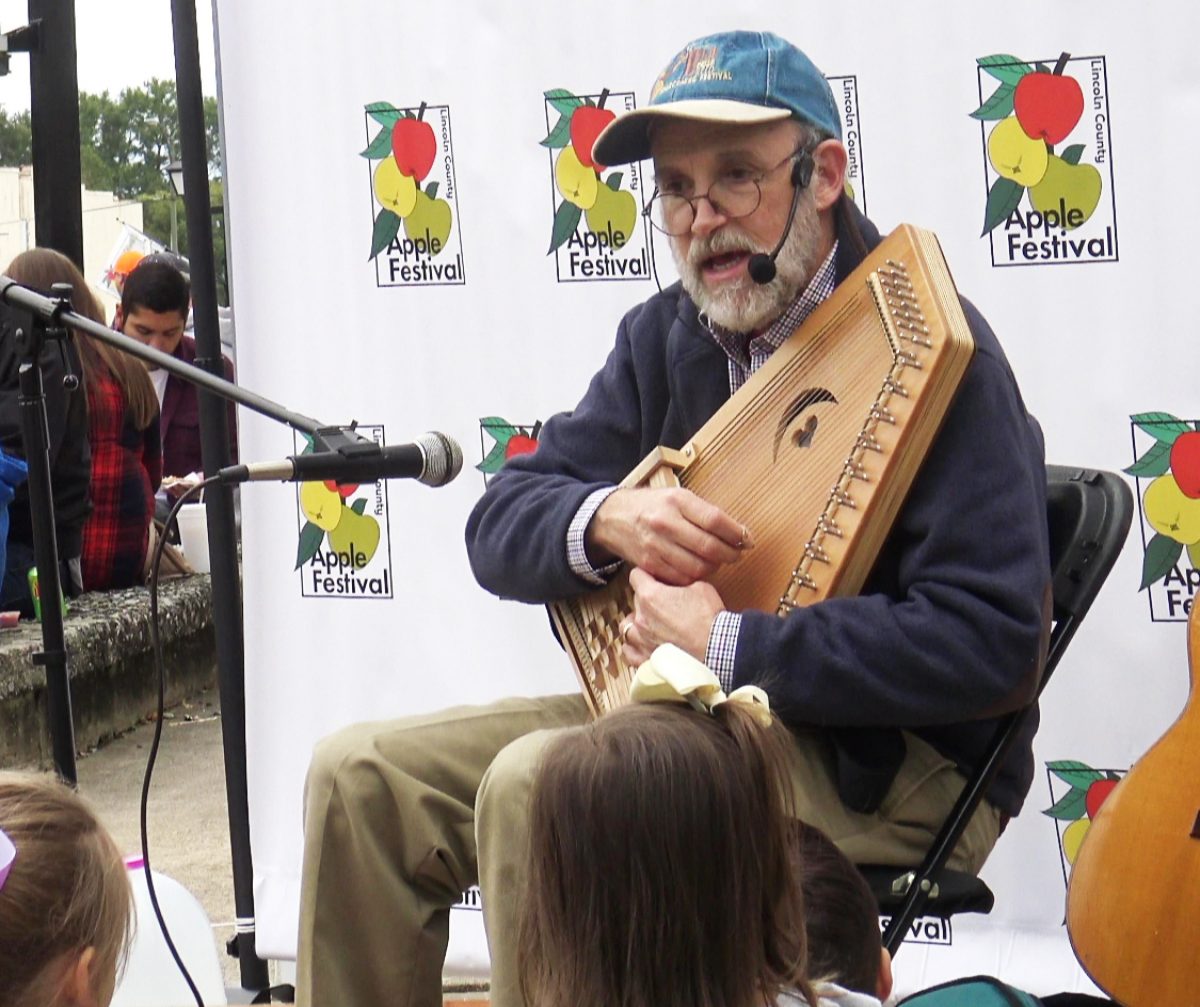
<point>743,305</point>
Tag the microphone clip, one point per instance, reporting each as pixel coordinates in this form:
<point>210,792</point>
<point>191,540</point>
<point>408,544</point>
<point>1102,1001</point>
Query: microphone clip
<point>344,441</point>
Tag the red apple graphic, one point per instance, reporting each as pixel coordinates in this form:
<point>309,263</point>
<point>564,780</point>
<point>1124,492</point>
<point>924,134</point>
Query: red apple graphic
<point>1185,463</point>
<point>342,489</point>
<point>1097,793</point>
<point>414,145</point>
<point>522,443</point>
<point>1048,105</point>
<point>587,122</point>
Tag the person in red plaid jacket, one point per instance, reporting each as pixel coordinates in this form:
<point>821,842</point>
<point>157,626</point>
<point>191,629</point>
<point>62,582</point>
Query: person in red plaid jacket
<point>126,466</point>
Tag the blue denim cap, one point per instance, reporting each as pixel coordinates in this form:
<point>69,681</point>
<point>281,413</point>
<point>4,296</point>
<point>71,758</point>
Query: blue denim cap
<point>736,77</point>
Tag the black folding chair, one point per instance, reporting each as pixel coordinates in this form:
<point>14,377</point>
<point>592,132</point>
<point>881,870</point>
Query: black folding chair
<point>1089,513</point>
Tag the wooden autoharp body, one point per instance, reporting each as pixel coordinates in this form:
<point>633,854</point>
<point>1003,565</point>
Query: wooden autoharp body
<point>814,453</point>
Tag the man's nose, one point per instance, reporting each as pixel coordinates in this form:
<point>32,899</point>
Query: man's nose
<point>707,217</point>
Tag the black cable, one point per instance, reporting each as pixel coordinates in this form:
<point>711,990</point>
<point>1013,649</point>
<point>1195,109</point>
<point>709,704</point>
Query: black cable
<point>156,637</point>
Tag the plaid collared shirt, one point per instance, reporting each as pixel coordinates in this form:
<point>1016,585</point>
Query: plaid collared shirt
<point>744,357</point>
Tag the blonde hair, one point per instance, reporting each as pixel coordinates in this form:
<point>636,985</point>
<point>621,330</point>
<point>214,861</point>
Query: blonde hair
<point>68,890</point>
<point>41,268</point>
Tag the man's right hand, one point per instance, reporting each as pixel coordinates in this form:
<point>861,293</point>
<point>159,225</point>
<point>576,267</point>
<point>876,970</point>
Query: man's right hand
<point>671,533</point>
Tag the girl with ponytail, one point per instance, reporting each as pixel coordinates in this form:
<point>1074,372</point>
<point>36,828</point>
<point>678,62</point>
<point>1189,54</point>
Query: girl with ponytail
<point>662,867</point>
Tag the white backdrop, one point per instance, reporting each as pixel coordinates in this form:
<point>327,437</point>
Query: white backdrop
<point>494,327</point>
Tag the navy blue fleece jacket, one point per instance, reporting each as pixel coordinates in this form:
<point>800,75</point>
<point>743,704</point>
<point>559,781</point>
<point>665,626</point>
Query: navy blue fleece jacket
<point>946,634</point>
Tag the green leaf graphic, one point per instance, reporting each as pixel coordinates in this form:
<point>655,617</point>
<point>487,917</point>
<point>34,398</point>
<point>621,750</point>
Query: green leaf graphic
<point>566,220</point>
<point>560,135</point>
<point>998,106</point>
<point>380,147</point>
<point>386,226</point>
<point>359,505</point>
<point>1073,153</point>
<point>1154,462</point>
<point>1162,553</point>
<point>431,190</point>
<point>1161,426</point>
<point>498,427</point>
<point>1006,69</point>
<point>384,113</point>
<point>1070,807</point>
<point>1076,774</point>
<point>310,542</point>
<point>1193,552</point>
<point>614,180</point>
<point>1003,198</point>
<point>563,100</point>
<point>495,458</point>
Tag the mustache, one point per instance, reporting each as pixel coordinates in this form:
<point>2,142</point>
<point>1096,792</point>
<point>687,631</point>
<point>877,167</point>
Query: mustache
<point>727,239</point>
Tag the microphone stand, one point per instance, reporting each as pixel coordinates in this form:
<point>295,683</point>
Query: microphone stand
<point>31,334</point>
<point>35,318</point>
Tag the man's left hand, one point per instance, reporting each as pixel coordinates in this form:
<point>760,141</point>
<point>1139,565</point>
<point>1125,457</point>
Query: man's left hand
<point>666,614</point>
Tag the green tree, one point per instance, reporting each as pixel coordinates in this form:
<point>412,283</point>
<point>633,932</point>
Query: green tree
<point>128,141</point>
<point>16,139</point>
<point>126,144</point>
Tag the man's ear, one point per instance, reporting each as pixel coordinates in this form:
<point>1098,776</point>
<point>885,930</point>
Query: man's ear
<point>883,983</point>
<point>829,173</point>
<point>119,320</point>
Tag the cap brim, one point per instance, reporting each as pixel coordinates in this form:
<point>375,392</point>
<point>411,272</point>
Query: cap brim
<point>627,137</point>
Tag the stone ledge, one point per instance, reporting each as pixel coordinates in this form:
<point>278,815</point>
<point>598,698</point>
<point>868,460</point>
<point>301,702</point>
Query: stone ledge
<point>110,662</point>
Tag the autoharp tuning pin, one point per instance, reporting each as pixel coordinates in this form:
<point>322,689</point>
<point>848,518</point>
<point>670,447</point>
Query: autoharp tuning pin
<point>895,387</point>
<point>843,498</point>
<point>815,552</point>
<point>856,471</point>
<point>830,526</point>
<point>908,360</point>
<point>801,579</point>
<point>869,443</point>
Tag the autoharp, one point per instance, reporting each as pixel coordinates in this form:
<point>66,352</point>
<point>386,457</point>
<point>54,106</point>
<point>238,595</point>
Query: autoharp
<point>814,453</point>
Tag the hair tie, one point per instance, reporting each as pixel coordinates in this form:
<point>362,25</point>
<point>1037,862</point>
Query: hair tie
<point>672,675</point>
<point>8,853</point>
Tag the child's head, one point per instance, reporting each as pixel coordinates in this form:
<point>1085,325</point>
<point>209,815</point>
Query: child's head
<point>65,907</point>
<point>842,919</point>
<point>662,866</point>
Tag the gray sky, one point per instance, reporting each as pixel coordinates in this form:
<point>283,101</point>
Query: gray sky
<point>120,45</point>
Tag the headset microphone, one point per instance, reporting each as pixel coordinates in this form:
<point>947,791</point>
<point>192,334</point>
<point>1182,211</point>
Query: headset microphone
<point>761,266</point>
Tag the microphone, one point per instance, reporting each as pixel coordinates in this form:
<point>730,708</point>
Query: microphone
<point>434,459</point>
<point>761,266</point>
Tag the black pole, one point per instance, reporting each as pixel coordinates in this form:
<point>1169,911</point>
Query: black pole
<point>30,334</point>
<point>54,115</point>
<point>214,446</point>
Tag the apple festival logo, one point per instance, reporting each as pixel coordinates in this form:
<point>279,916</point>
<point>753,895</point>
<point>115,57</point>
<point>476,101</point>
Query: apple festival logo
<point>597,233</point>
<point>508,441</point>
<point>1076,793</point>
<point>1167,470</point>
<point>344,549</point>
<point>412,181</point>
<point>1048,159</point>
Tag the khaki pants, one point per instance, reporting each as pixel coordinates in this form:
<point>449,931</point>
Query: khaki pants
<point>401,817</point>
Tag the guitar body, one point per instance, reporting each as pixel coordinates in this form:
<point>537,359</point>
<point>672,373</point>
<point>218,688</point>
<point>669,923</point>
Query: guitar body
<point>1134,895</point>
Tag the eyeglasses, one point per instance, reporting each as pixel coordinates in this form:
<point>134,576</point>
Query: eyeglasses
<point>734,195</point>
